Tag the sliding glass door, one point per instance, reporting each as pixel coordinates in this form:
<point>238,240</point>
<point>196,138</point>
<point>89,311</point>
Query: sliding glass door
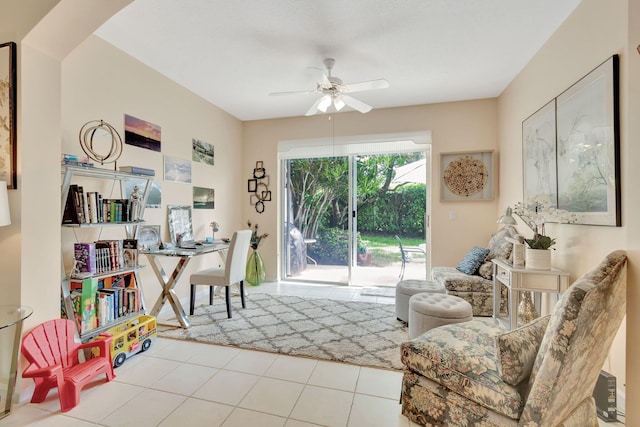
<point>316,229</point>
<point>342,215</point>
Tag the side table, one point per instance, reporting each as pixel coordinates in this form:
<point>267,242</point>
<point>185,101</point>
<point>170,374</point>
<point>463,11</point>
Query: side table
<point>517,280</point>
<point>11,318</point>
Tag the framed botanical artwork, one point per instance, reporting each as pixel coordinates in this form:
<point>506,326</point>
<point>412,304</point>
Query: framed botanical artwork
<point>8,122</point>
<point>539,154</point>
<point>588,129</point>
<point>467,176</point>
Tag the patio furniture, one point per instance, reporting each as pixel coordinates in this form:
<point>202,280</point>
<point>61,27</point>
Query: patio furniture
<point>476,287</point>
<point>405,253</point>
<point>53,359</point>
<point>542,374</point>
<point>428,311</point>
<point>405,289</point>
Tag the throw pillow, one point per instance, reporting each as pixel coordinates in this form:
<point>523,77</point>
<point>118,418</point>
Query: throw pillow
<point>517,350</point>
<point>472,260</point>
<point>486,270</point>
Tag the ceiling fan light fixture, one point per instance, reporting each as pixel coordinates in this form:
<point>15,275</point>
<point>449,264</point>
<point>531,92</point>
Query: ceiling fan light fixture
<point>334,92</point>
<point>325,102</point>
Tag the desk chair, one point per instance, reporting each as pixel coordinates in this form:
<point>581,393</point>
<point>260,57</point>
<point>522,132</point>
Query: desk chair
<point>405,251</point>
<point>233,272</point>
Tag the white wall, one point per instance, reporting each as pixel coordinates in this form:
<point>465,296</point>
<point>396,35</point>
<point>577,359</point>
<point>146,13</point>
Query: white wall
<point>594,31</point>
<point>631,100</point>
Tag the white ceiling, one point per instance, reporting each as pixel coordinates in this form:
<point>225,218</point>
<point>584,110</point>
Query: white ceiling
<point>234,53</point>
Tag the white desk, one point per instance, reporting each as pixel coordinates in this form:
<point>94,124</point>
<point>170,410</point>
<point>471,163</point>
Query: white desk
<point>523,279</point>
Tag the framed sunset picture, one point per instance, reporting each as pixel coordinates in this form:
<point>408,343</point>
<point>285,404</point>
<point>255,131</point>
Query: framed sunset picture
<point>140,133</point>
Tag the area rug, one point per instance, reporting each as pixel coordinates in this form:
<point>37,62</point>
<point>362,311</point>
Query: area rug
<point>360,333</point>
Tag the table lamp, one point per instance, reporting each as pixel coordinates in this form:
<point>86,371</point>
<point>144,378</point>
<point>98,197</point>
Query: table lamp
<point>507,218</point>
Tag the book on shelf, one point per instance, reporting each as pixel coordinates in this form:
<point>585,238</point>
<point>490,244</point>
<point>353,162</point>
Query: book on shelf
<point>121,286</point>
<point>74,160</point>
<point>83,295</point>
<point>73,213</point>
<point>91,208</point>
<point>138,170</point>
<point>130,252</point>
<point>70,216</point>
<point>85,204</point>
<point>92,202</point>
<point>85,258</point>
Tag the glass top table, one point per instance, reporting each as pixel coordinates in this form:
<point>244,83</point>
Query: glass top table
<point>168,282</point>
<point>11,318</point>
<point>11,315</point>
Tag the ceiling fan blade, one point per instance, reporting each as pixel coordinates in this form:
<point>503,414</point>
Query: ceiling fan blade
<point>355,104</point>
<point>293,92</point>
<point>368,85</point>
<point>324,79</point>
<point>314,107</point>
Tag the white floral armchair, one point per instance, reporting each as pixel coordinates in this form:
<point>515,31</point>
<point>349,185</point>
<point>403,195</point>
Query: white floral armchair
<point>542,374</point>
<point>477,289</point>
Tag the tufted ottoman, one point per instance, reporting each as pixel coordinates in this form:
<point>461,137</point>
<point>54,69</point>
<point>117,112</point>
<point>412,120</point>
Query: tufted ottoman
<point>428,311</point>
<point>405,289</point>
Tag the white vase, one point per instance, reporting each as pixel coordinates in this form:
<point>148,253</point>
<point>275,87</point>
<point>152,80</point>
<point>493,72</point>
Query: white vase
<point>538,259</point>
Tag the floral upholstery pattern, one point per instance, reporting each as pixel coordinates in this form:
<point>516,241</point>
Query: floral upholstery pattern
<point>427,403</point>
<point>453,377</point>
<point>480,285</point>
<point>576,343</point>
<point>462,358</point>
<point>476,290</point>
<point>517,350</point>
<point>501,248</point>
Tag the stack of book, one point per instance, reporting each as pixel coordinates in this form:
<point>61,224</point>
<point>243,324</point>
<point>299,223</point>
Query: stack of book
<point>104,256</point>
<point>73,160</point>
<point>99,302</point>
<point>138,170</point>
<point>92,208</point>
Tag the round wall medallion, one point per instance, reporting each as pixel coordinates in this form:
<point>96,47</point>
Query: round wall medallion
<point>466,176</point>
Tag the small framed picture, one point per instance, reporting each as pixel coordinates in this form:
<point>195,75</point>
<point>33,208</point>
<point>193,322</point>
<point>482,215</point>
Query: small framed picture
<point>252,185</point>
<point>149,237</point>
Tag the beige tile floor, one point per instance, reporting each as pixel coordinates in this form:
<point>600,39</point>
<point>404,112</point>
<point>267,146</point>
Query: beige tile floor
<point>179,383</point>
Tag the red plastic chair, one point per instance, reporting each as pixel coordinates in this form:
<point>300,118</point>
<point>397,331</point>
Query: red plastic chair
<point>53,355</point>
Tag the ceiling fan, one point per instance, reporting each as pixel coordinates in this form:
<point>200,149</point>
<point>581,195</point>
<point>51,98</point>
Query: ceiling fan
<point>334,92</point>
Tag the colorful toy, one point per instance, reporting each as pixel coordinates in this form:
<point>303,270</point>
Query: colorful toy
<point>131,338</point>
